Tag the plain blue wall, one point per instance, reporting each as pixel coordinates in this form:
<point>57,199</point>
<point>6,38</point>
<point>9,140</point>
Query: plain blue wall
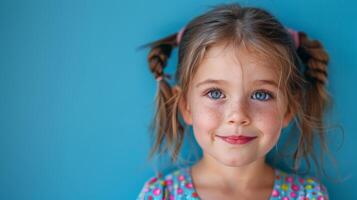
<point>76,98</point>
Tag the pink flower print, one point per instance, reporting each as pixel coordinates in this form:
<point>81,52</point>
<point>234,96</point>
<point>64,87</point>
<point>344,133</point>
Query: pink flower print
<point>153,180</point>
<point>275,193</point>
<point>285,198</point>
<point>172,197</point>
<point>179,191</point>
<point>189,185</point>
<point>169,182</point>
<point>181,178</point>
<point>301,180</point>
<point>295,187</point>
<point>320,198</point>
<point>156,191</point>
<point>194,194</point>
<point>289,179</point>
<point>293,195</point>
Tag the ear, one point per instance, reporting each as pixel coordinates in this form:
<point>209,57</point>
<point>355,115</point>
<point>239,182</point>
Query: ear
<point>184,108</point>
<point>287,117</point>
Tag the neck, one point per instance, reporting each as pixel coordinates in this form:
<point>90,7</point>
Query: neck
<point>210,173</point>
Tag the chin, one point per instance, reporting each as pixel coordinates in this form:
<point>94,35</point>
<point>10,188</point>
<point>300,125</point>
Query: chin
<point>235,161</point>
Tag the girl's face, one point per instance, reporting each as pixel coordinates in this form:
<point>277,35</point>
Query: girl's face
<point>234,95</point>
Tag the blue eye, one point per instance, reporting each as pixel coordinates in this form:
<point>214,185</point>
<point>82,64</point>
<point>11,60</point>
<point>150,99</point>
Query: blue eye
<point>263,95</point>
<point>215,94</point>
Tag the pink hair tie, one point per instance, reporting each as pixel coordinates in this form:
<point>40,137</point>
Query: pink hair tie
<point>159,78</point>
<point>179,35</point>
<point>162,76</point>
<point>295,35</point>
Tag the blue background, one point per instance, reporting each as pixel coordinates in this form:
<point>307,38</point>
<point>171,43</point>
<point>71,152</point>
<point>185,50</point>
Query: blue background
<point>76,97</point>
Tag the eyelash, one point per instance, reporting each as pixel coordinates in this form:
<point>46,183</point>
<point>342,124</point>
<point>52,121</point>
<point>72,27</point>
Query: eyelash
<point>271,96</point>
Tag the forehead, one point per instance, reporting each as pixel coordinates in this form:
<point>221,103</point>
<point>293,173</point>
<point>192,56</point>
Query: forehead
<point>227,62</point>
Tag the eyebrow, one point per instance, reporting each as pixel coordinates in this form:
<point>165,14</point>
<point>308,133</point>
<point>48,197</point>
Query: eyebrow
<point>208,81</point>
<point>262,82</point>
<point>267,82</point>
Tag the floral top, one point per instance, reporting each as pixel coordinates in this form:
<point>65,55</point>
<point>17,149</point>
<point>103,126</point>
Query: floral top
<point>178,185</point>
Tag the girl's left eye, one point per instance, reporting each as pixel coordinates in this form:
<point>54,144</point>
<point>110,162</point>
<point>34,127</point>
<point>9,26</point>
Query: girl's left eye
<point>262,95</point>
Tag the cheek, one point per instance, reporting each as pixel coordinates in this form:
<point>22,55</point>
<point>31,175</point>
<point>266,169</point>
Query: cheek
<point>268,121</point>
<point>266,113</point>
<point>206,117</point>
<point>268,117</point>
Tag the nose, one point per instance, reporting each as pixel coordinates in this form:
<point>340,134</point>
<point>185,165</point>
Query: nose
<point>238,113</point>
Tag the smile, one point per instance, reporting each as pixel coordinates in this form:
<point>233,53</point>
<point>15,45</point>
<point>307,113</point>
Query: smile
<point>237,139</point>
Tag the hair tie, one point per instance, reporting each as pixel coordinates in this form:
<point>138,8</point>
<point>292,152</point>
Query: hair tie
<point>179,35</point>
<point>159,78</point>
<point>162,76</point>
<point>295,35</point>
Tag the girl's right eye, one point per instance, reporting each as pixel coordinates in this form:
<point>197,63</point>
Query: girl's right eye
<point>215,94</point>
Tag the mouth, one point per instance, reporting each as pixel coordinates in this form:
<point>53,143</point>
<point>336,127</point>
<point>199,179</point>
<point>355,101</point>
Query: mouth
<point>237,139</point>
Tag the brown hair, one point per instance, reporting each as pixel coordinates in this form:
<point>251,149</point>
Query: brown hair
<point>303,72</point>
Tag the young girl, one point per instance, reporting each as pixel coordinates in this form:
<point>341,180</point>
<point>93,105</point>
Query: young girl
<point>242,77</point>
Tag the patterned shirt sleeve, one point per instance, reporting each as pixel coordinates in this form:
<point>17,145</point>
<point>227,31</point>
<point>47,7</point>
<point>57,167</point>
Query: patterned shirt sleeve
<point>315,189</point>
<point>153,189</point>
<point>292,186</point>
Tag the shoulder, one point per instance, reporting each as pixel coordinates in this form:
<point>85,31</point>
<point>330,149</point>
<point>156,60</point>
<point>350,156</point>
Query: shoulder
<point>294,186</point>
<point>174,185</point>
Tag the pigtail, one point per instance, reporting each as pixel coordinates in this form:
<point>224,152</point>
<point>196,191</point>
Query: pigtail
<point>315,59</point>
<point>167,131</point>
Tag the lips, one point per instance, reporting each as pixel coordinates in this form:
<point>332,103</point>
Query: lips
<point>237,139</point>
